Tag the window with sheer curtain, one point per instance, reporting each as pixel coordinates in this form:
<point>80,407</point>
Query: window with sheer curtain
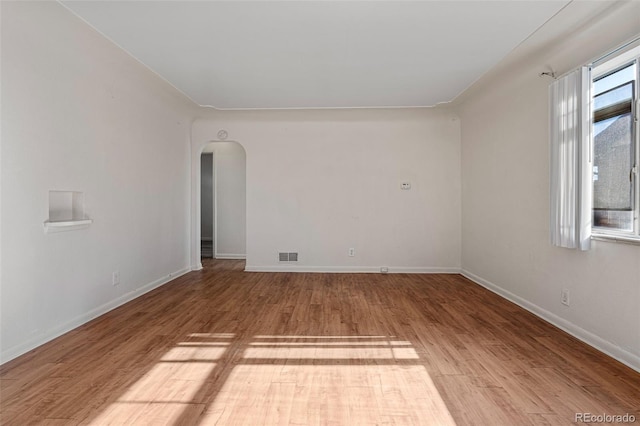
<point>595,152</point>
<point>571,160</point>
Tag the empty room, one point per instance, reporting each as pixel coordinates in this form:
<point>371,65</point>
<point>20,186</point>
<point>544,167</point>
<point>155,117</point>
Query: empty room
<point>319,212</point>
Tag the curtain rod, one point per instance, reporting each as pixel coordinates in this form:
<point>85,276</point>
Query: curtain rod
<point>624,46</point>
<point>595,61</point>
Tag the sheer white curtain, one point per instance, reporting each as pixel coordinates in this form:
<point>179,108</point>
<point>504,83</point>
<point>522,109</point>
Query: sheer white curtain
<point>571,160</point>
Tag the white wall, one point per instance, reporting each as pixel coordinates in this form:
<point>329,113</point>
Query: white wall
<point>80,114</point>
<point>505,196</point>
<point>320,182</point>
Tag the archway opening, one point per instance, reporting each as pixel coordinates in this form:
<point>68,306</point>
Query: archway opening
<point>222,206</point>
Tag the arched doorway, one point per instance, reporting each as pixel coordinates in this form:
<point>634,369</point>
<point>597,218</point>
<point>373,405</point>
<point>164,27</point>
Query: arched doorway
<point>220,202</point>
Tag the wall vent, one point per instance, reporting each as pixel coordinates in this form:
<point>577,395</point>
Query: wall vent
<point>287,256</point>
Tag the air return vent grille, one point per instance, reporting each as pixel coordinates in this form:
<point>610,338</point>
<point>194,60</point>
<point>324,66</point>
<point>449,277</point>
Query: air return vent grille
<point>288,256</point>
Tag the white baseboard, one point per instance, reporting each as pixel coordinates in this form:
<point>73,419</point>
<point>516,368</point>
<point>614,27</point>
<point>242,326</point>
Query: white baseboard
<point>48,335</point>
<point>629,359</point>
<point>352,269</point>
<point>427,270</point>
<point>230,256</point>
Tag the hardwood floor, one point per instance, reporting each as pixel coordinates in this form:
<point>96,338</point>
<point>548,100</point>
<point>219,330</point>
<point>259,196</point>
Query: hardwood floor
<point>221,346</point>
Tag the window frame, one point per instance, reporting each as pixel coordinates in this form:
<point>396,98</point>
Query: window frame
<point>600,70</point>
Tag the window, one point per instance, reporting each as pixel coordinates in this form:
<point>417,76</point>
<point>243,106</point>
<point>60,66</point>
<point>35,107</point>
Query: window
<point>616,198</point>
<point>594,134</point>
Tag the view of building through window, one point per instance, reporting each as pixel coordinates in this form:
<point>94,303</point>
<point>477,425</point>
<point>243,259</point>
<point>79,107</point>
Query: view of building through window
<point>614,148</point>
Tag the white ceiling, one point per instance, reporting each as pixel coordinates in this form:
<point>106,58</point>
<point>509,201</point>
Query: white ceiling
<point>318,54</point>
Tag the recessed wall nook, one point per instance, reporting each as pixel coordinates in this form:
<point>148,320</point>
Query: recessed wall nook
<point>66,212</point>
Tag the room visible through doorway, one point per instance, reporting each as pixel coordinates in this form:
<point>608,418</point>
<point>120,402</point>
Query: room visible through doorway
<point>223,201</point>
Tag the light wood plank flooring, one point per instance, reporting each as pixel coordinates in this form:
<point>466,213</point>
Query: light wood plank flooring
<point>221,346</point>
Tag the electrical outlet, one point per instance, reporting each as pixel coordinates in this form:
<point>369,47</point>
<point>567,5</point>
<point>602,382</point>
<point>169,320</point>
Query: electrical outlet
<point>352,252</point>
<point>564,297</point>
<point>115,278</point>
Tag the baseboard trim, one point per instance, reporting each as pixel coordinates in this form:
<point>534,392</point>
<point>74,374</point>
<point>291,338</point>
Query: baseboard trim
<point>230,256</point>
<point>352,269</point>
<point>48,335</point>
<point>604,346</point>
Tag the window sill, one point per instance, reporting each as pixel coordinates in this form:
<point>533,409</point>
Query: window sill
<point>616,239</point>
<point>66,225</point>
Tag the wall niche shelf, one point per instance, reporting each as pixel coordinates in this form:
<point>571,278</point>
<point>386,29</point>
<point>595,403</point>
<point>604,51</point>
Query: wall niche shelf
<point>67,225</point>
<point>66,212</point>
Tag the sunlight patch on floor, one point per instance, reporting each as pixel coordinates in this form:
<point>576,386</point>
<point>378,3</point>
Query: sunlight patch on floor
<point>328,394</point>
<point>149,413</point>
<point>190,353</point>
<point>329,347</point>
<point>356,343</point>
<point>166,393</point>
<point>330,353</point>
<point>213,335</point>
<point>283,380</point>
<point>320,337</point>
